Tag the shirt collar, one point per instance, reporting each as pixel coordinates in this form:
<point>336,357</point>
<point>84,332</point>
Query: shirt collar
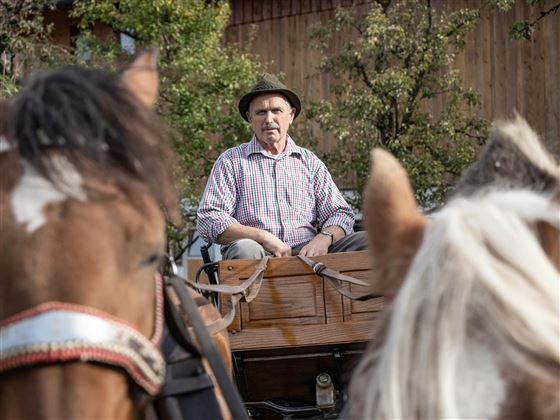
<point>255,147</point>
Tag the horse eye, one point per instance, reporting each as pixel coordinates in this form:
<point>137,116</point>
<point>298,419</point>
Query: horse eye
<point>154,259</point>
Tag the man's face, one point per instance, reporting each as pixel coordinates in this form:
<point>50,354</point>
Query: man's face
<point>270,116</point>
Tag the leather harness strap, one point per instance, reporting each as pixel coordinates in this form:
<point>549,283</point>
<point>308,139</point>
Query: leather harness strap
<point>335,278</point>
<point>229,392</point>
<point>246,292</point>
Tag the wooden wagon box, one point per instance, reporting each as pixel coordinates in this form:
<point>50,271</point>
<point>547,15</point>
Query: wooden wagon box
<point>295,307</point>
<point>297,327</point>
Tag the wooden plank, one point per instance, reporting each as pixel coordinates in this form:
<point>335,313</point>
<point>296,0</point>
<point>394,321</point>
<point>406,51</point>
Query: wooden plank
<point>267,9</point>
<point>286,301</point>
<point>225,305</point>
<point>315,5</point>
<point>326,5</point>
<point>302,335</point>
<point>537,87</point>
<point>278,8</point>
<point>257,10</point>
<point>235,17</point>
<point>498,86</point>
<point>551,34</point>
<point>296,8</point>
<point>247,11</point>
<point>487,51</point>
<point>290,266</point>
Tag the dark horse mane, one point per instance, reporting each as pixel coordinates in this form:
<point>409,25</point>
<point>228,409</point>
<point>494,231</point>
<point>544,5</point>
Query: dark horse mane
<point>90,117</point>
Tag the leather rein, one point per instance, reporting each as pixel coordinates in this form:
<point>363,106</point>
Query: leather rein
<point>337,279</point>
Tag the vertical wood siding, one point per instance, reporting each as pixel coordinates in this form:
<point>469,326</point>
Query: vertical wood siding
<point>509,75</point>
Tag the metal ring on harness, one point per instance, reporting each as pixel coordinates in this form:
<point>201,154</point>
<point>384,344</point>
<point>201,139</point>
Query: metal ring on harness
<point>319,267</point>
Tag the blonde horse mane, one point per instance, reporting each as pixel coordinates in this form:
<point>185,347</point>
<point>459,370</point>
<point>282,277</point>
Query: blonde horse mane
<point>480,293</point>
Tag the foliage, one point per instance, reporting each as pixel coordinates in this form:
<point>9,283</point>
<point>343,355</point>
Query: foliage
<point>523,29</point>
<point>384,78</point>
<point>24,42</point>
<point>201,78</point>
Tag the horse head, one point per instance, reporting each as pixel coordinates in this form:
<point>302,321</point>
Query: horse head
<point>83,192</point>
<point>472,331</point>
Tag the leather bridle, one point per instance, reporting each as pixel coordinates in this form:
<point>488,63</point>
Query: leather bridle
<point>56,332</point>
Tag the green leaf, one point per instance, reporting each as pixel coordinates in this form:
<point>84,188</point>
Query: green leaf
<point>521,30</point>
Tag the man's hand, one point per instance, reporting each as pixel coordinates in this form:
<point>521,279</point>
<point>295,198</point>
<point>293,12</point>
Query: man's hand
<point>319,245</point>
<point>269,242</point>
<point>275,246</point>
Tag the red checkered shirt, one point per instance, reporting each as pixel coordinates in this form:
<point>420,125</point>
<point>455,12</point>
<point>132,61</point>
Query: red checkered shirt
<point>290,195</point>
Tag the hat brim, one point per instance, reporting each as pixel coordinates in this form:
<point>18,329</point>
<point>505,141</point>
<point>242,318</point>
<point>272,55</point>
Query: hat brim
<point>245,101</point>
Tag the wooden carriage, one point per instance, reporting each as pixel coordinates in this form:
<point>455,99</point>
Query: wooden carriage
<point>297,329</point>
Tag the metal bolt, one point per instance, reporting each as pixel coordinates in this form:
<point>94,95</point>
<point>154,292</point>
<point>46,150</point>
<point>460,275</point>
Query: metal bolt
<point>324,380</point>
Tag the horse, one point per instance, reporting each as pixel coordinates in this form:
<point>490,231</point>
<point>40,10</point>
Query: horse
<point>472,329</point>
<point>84,196</point>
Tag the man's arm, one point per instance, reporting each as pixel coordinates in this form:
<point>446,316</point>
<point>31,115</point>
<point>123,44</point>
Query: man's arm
<point>334,214</point>
<point>269,242</point>
<point>216,208</point>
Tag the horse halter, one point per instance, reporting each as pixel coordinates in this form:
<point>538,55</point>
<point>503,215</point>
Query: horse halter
<point>56,332</point>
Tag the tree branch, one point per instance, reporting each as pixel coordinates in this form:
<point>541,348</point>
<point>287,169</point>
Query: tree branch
<point>359,66</point>
<point>553,9</point>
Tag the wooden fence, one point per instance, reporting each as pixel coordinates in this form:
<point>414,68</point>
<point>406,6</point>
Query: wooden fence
<point>509,75</point>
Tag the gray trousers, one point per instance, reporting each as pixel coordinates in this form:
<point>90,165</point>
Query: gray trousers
<point>252,250</point>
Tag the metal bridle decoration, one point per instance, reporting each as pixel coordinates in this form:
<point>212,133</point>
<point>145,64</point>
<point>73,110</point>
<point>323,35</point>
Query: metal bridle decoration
<point>56,332</point>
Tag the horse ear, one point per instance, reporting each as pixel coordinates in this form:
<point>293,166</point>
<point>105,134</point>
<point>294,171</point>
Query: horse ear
<point>395,225</point>
<point>142,78</point>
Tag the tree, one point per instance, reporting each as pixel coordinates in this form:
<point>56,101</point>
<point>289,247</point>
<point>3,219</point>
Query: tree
<point>25,42</point>
<point>399,59</point>
<point>523,29</point>
<point>201,77</point>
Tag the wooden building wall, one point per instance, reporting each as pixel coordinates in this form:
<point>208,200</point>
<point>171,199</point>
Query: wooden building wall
<point>510,75</point>
<point>66,27</point>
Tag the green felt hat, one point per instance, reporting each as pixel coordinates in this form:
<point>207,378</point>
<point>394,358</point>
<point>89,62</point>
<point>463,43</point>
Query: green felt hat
<point>268,83</point>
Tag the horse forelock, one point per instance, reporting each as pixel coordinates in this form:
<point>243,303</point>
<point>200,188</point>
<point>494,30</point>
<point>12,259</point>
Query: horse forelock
<point>479,290</point>
<point>514,158</point>
<point>523,136</point>
<point>89,117</point>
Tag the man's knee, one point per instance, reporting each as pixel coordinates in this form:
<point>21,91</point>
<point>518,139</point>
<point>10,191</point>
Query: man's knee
<point>357,241</point>
<point>244,249</point>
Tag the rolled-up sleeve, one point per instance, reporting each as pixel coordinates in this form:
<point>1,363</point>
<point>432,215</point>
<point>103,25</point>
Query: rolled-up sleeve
<point>214,214</point>
<point>332,208</point>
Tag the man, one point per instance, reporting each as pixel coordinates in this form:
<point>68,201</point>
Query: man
<point>269,196</point>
